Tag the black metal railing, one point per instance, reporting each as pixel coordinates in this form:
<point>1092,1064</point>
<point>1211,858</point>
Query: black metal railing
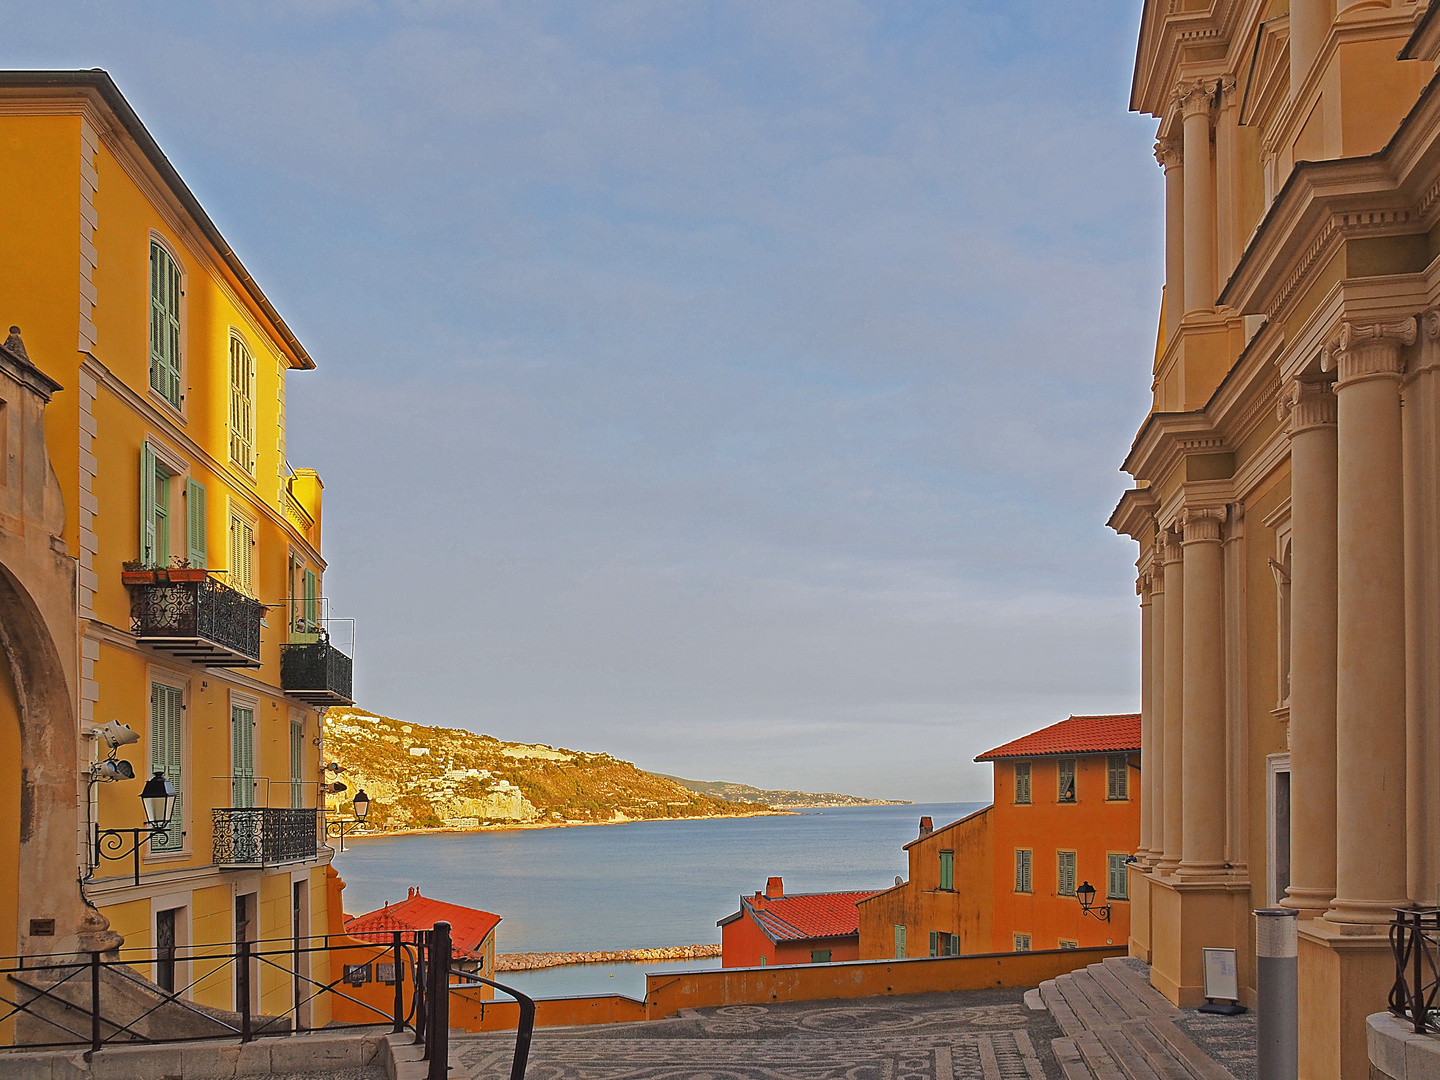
<point>264,835</point>
<point>99,1000</point>
<point>1414,941</point>
<point>317,672</point>
<point>205,621</point>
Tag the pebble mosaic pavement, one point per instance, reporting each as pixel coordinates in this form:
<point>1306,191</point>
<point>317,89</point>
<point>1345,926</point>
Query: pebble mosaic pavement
<point>980,1035</point>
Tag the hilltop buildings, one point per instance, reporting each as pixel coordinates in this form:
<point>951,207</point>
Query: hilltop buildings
<point>160,563</point>
<point>1287,497</point>
<point>1007,878</point>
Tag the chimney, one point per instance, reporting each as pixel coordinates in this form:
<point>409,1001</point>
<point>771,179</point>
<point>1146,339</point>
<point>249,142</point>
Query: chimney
<point>927,826</point>
<point>774,888</point>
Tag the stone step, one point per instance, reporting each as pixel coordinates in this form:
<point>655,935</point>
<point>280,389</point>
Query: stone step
<point>1097,1058</point>
<point>1071,1063</point>
<point>1200,1064</point>
<point>1162,1060</point>
<point>1088,1015</point>
<point>1064,1016</point>
<point>1126,1055</point>
<point>1139,985</point>
<point>1111,1013</point>
<point>1128,1001</point>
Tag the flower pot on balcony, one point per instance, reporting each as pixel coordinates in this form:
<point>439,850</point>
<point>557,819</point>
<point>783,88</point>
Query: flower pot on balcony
<point>137,577</point>
<point>176,575</point>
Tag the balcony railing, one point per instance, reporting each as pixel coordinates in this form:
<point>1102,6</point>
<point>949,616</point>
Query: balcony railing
<point>202,621</point>
<point>264,835</point>
<point>1414,942</point>
<point>317,672</point>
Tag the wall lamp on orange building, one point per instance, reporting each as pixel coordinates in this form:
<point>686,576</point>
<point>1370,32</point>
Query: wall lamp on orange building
<point>1086,895</point>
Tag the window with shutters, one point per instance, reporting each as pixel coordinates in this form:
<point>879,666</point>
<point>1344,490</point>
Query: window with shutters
<point>1119,878</point>
<point>819,956</point>
<point>1065,873</point>
<point>1022,942</point>
<point>242,405</point>
<point>1022,782</point>
<point>1023,858</point>
<point>165,292</point>
<point>1066,943</point>
<point>947,870</point>
<point>1066,769</point>
<point>899,942</point>
<point>242,555</point>
<point>1117,788</point>
<point>297,763</point>
<point>242,755</point>
<point>196,547</point>
<point>167,747</point>
<point>944,944</point>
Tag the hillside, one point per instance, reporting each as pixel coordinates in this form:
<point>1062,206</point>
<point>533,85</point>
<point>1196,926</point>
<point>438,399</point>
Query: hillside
<point>780,800</point>
<point>431,777</point>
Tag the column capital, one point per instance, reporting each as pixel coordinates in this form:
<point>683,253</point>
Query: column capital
<point>1194,96</point>
<point>1167,551</point>
<point>1201,526</point>
<point>1369,351</point>
<point>1169,154</point>
<point>1307,403</point>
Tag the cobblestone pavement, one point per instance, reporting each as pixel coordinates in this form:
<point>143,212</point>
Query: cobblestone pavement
<point>1230,1040</point>
<point>984,1035</point>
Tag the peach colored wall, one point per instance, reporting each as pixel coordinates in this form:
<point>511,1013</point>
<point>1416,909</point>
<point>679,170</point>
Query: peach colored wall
<point>1092,827</point>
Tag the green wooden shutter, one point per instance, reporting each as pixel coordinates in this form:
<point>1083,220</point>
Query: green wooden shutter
<point>312,602</point>
<point>147,504</point>
<point>166,756</point>
<point>947,869</point>
<point>297,763</point>
<point>195,524</point>
<point>242,755</point>
<point>899,942</point>
<point>165,295</point>
<point>934,943</point>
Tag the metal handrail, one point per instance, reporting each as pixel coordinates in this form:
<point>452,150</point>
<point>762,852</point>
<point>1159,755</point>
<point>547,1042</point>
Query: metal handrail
<point>1414,942</point>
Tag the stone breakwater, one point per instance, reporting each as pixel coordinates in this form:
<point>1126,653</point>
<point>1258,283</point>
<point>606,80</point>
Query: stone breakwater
<point>530,961</point>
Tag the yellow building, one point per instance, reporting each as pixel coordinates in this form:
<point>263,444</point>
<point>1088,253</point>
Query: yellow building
<point>1287,498</point>
<point>176,586</point>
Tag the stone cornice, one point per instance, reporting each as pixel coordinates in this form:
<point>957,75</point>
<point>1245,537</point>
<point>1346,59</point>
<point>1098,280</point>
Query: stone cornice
<point>1165,438</point>
<point>1134,515</point>
<point>1395,191</point>
<point>1168,37</point>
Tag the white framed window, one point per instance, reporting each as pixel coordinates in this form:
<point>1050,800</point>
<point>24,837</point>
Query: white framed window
<point>167,291</point>
<point>170,924</point>
<point>1022,942</point>
<point>1023,878</point>
<point>242,553</point>
<point>1065,873</point>
<point>242,404</point>
<point>1066,943</point>
<point>1022,782</point>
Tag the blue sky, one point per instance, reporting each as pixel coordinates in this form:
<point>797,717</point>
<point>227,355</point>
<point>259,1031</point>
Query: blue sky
<point>738,388</point>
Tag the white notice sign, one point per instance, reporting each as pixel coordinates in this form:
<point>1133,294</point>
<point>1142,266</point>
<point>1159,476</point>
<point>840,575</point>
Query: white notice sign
<point>1220,980</point>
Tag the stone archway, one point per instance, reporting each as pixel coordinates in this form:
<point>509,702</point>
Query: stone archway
<point>40,638</point>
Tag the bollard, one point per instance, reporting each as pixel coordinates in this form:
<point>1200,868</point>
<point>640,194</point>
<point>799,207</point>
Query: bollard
<point>1277,1034</point>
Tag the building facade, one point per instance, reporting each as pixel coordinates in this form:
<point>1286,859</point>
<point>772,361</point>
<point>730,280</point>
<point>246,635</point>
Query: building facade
<point>1286,492</point>
<point>805,928</point>
<point>1008,878</point>
<point>193,555</point>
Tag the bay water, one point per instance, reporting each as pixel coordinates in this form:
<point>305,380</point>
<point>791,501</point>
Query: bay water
<point>636,885</point>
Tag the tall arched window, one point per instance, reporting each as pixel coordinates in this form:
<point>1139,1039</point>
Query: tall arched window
<point>242,405</point>
<point>165,293</point>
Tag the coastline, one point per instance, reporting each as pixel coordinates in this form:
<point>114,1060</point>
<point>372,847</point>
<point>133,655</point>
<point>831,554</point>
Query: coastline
<point>518,826</point>
<point>539,961</point>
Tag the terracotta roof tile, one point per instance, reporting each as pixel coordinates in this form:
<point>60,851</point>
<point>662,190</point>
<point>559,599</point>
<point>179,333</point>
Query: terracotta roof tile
<point>807,915</point>
<point>468,926</point>
<point>1077,735</point>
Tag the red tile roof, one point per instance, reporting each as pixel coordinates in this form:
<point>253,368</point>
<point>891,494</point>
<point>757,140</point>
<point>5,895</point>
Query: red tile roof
<point>806,915</point>
<point>469,927</point>
<point>1077,735</point>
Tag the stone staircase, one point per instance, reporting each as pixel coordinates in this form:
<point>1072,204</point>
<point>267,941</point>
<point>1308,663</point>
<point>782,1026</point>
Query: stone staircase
<point>1118,1027</point>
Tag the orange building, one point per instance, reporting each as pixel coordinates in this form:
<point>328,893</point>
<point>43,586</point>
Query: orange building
<point>1006,878</point>
<point>807,928</point>
<point>472,931</point>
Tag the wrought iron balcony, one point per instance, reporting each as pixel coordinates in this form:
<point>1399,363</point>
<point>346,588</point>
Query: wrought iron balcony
<point>202,620</point>
<point>317,672</point>
<point>264,835</point>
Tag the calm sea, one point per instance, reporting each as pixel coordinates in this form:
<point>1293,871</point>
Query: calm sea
<point>639,885</point>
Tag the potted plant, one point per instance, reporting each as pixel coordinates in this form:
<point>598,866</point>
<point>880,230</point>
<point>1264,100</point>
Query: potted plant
<point>134,572</point>
<point>181,570</point>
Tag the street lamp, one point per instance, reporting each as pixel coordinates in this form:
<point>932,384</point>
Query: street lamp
<point>361,802</point>
<point>1086,895</point>
<point>158,798</point>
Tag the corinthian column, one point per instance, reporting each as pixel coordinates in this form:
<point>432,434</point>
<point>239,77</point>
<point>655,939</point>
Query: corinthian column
<point>1152,768</point>
<point>1147,709</point>
<point>1312,647</point>
<point>1174,671</point>
<point>1199,198</point>
<point>1203,697</point>
<point>1370,625</point>
<point>1171,159</point>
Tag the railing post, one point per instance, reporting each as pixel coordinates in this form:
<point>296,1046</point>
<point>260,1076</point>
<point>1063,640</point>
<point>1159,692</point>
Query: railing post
<point>242,987</point>
<point>440,1002</point>
<point>94,1002</point>
<point>1417,984</point>
<point>399,985</point>
<point>422,990</point>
